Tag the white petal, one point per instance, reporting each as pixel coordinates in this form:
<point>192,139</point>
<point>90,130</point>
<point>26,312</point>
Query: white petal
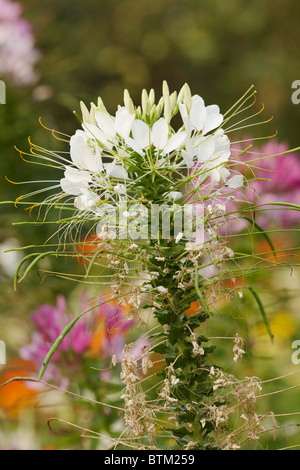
<point>86,201</point>
<point>197,99</point>
<point>198,115</point>
<point>222,146</point>
<point>224,173</point>
<point>159,133</point>
<point>191,150</point>
<point>105,123</point>
<point>77,143</point>
<point>77,176</point>
<point>72,188</point>
<point>215,176</point>
<point>235,182</point>
<point>214,118</point>
<point>133,144</point>
<point>93,132</point>
<point>83,155</point>
<point>188,160</point>
<point>175,142</point>
<point>184,115</point>
<point>141,134</point>
<point>206,149</point>
<point>116,171</point>
<point>92,162</point>
<point>123,122</point>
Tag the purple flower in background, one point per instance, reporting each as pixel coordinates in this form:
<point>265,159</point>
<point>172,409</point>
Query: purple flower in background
<point>17,52</point>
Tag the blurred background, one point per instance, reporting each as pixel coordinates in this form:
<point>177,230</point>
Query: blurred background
<point>54,54</point>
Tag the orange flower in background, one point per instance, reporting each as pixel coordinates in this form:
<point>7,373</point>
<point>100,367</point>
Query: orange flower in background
<point>16,396</point>
<point>192,310</point>
<point>235,284</point>
<point>98,338</point>
<point>280,242</point>
<point>88,248</point>
<point>111,329</point>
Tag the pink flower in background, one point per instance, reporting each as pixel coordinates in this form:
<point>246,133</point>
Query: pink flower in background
<point>283,173</point>
<point>49,322</point>
<point>17,52</point>
<point>100,334</point>
<point>110,332</point>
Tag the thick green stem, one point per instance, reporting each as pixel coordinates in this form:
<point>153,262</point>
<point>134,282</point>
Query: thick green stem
<point>186,362</point>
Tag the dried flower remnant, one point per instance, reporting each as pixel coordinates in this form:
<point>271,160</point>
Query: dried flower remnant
<point>138,415</point>
<point>237,348</point>
<point>237,398</point>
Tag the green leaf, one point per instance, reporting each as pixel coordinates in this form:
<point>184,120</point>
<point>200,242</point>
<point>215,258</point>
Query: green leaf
<point>262,311</point>
<point>92,262</point>
<point>38,257</point>
<point>62,335</point>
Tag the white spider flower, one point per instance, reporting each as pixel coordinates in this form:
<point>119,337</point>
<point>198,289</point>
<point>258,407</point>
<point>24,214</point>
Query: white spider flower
<point>137,157</point>
<point>104,150</point>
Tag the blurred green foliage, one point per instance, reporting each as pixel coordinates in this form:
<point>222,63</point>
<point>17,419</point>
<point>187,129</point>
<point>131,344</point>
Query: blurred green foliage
<point>100,47</point>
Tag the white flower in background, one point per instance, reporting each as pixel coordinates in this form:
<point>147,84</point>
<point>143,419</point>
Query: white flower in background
<point>9,260</point>
<point>17,52</point>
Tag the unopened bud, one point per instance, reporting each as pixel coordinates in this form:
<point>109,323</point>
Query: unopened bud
<point>145,103</point>
<point>128,102</point>
<point>85,113</point>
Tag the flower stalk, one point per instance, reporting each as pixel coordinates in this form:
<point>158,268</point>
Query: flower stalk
<point>121,169</point>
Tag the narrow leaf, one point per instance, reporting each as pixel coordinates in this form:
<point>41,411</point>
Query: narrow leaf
<point>263,312</point>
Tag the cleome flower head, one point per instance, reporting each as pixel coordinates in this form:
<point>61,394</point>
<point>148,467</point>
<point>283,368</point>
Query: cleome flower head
<point>119,166</point>
<point>110,154</point>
